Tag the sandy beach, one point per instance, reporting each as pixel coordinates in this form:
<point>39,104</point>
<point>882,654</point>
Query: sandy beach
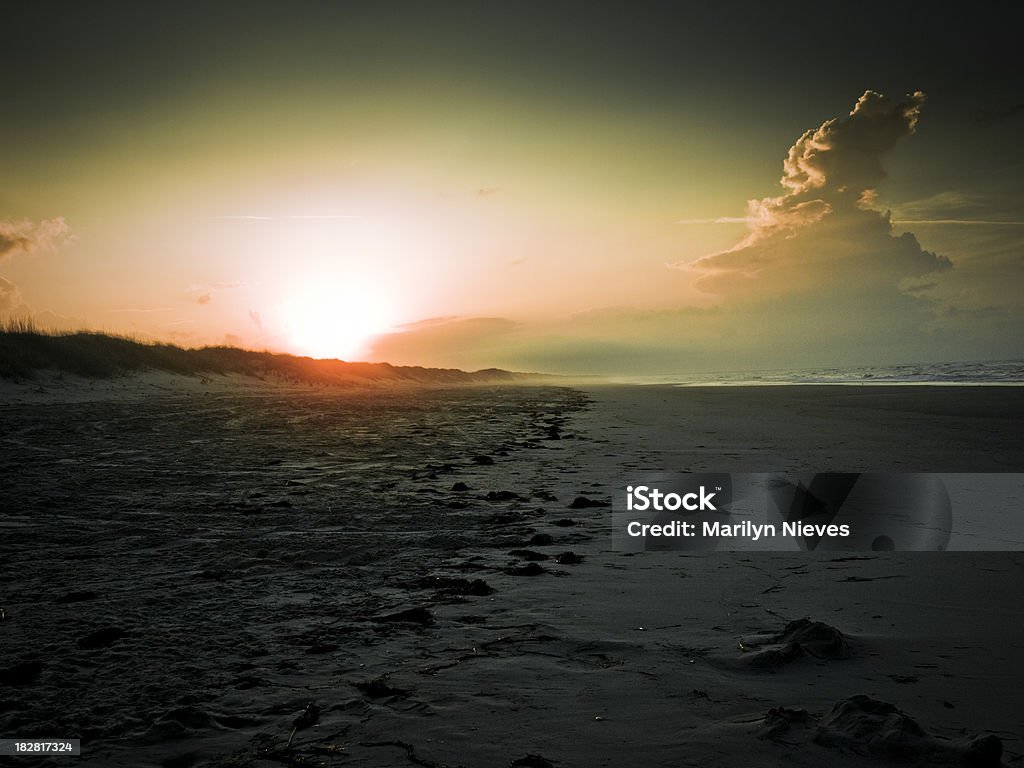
<point>186,569</point>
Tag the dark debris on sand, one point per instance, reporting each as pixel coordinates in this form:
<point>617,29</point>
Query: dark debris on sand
<point>378,688</point>
<point>779,720</point>
<point>799,637</point>
<point>450,585</point>
<point>531,761</point>
<point>22,673</point>
<point>503,496</point>
<point>214,589</point>
<point>506,518</point>
<point>528,554</point>
<point>101,638</point>
<point>879,730</point>
<point>79,596</point>
<point>530,569</point>
<point>582,502</point>
<point>418,615</point>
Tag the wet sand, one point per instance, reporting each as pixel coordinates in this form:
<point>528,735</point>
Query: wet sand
<point>184,569</point>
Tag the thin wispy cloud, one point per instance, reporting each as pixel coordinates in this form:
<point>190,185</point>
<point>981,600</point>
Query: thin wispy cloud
<point>295,217</point>
<point>204,293</point>
<point>720,220</point>
<point>958,208</point>
<point>962,222</point>
<point>951,222</point>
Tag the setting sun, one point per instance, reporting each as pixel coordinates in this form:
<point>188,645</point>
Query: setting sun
<point>330,321</point>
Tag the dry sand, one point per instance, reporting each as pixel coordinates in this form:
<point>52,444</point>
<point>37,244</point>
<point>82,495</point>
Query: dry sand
<point>184,569</point>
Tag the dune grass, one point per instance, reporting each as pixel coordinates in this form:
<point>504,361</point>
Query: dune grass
<point>26,350</point>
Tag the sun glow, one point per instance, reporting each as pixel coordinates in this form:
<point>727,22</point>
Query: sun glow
<point>332,321</point>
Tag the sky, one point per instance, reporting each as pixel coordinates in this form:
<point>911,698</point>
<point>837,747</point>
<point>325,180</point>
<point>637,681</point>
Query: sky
<point>628,188</point>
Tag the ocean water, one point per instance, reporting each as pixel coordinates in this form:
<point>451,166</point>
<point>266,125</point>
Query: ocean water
<point>974,373</point>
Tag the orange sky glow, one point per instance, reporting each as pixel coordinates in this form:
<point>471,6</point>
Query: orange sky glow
<point>450,201</point>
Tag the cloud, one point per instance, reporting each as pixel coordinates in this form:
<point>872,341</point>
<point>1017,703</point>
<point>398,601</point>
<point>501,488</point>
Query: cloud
<point>256,319</point>
<point>294,217</point>
<point>720,220</point>
<point>139,310</point>
<point>10,296</point>
<point>964,222</point>
<point>16,309</point>
<point>27,237</point>
<point>821,278</point>
<point>959,208</point>
<point>948,203</point>
<point>460,342</point>
<point>844,155</point>
<point>823,236</point>
<point>204,293</point>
